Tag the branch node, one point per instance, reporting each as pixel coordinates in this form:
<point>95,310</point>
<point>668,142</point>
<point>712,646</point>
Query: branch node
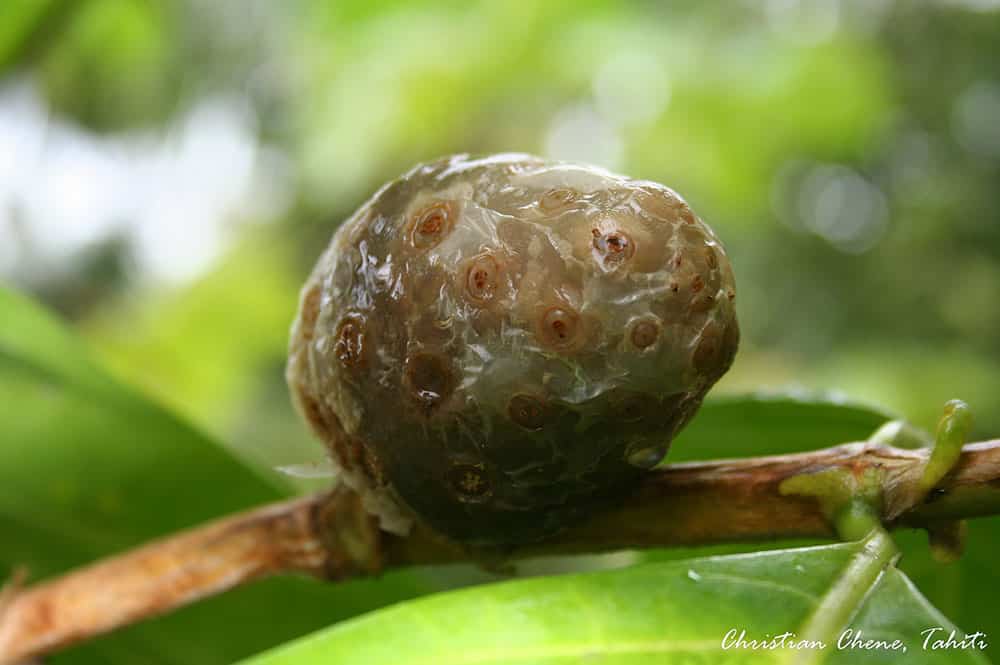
<point>350,535</point>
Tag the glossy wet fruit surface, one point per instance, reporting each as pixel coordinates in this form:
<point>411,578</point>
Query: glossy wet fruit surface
<point>496,346</point>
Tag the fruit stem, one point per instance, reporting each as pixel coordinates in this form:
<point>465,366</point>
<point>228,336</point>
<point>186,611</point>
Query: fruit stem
<point>839,605</point>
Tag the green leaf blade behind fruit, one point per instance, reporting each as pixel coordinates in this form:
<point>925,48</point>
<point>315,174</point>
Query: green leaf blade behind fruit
<point>772,424</point>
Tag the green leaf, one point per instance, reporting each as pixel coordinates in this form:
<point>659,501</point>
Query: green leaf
<point>89,467</point>
<point>665,612</point>
<point>760,424</point>
<point>178,346</point>
<point>93,462</point>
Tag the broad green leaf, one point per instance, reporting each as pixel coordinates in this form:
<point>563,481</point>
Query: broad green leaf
<point>676,612</point>
<point>87,458</point>
<point>89,467</point>
<point>760,424</point>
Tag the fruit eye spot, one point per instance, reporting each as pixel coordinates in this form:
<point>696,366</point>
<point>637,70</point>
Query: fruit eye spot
<point>429,379</point>
<point>526,411</point>
<point>703,303</point>
<point>612,249</point>
<point>629,411</point>
<point>706,355</point>
<point>644,334</point>
<point>482,278</point>
<point>432,224</point>
<point>631,407</point>
<point>560,326</point>
<point>350,345</point>
<point>469,482</point>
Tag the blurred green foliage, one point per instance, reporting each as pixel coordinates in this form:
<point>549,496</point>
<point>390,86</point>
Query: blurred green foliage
<point>783,123</point>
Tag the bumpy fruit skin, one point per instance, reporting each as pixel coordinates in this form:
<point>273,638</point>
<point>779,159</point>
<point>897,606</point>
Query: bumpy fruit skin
<point>497,346</point>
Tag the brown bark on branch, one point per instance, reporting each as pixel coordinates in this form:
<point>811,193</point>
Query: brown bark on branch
<point>294,536</point>
<point>329,535</point>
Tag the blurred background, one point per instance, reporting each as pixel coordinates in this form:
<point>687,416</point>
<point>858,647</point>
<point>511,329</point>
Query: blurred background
<point>170,170</point>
